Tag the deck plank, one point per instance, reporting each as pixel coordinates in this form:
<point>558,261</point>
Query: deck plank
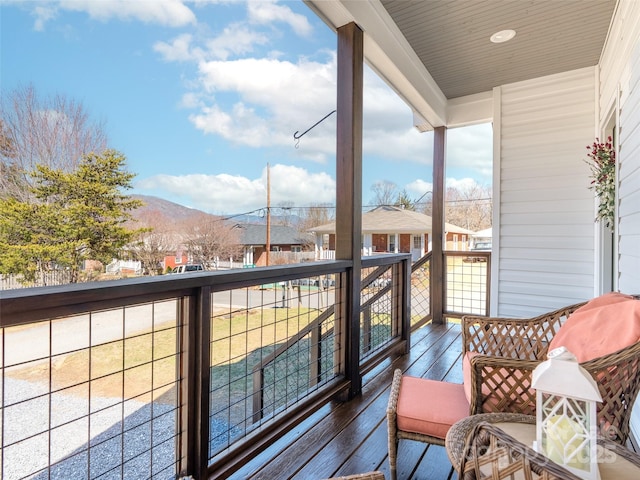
<point>351,437</point>
<point>344,444</point>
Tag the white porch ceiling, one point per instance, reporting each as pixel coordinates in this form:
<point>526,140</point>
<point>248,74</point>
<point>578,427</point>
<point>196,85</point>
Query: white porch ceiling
<point>432,51</point>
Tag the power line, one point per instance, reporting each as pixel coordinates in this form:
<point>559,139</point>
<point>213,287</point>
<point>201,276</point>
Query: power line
<point>333,207</point>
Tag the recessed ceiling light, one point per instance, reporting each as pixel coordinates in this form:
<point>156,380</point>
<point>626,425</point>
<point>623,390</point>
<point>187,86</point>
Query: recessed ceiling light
<point>503,36</point>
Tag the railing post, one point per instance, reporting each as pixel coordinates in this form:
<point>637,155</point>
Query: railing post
<point>403,301</point>
<point>187,368</point>
<point>204,407</point>
<point>366,329</point>
<point>195,367</point>
<point>258,394</point>
<point>315,364</point>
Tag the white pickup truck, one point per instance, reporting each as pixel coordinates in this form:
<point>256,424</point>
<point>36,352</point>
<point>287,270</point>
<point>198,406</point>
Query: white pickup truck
<point>188,268</point>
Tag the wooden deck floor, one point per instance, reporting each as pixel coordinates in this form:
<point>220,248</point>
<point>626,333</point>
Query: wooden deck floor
<point>347,438</point>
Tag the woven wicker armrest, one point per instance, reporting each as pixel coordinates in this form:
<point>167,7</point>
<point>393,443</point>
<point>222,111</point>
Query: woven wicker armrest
<point>361,476</point>
<point>617,449</point>
<point>502,385</point>
<point>492,453</point>
<point>392,404</point>
<point>618,378</point>
<point>513,337</point>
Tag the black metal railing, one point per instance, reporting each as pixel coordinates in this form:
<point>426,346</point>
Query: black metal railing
<point>467,283</point>
<point>309,354</point>
<point>155,377</point>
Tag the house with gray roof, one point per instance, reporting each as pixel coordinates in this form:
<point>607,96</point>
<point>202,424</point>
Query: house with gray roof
<point>389,229</point>
<point>286,245</point>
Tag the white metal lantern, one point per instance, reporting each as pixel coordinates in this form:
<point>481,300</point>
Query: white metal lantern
<point>566,424</point>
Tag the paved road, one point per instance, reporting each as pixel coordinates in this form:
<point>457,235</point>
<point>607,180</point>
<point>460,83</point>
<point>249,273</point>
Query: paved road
<point>310,297</point>
<point>34,343</point>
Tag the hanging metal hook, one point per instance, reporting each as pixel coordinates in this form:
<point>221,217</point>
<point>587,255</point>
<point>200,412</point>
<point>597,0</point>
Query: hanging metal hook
<point>297,136</point>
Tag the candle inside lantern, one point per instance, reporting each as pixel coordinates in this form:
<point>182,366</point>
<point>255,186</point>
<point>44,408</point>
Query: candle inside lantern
<point>565,442</point>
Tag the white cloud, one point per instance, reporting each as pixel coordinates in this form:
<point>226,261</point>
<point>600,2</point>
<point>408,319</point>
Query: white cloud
<point>179,49</point>
<point>172,13</point>
<point>236,39</point>
<point>234,194</point>
<point>267,12</point>
<point>190,100</point>
<point>461,184</point>
<point>418,187</point>
<point>421,187</point>
<point>43,14</point>
<point>261,102</point>
<point>472,148</point>
<point>276,98</point>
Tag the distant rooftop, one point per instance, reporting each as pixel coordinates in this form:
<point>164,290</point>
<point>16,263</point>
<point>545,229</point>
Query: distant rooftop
<point>390,219</point>
<point>253,234</point>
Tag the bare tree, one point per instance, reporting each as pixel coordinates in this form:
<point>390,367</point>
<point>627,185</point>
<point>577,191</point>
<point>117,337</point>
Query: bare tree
<point>54,132</point>
<point>285,214</point>
<point>470,208</point>
<point>207,237</point>
<point>315,215</point>
<point>385,193</point>
<point>154,242</point>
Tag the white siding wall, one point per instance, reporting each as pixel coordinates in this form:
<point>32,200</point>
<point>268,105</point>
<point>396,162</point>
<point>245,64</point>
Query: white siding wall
<point>620,76</point>
<point>620,82</point>
<point>629,184</point>
<point>546,211</point>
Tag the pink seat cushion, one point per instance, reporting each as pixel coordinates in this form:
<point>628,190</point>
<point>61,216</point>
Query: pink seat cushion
<point>602,326</point>
<point>430,407</point>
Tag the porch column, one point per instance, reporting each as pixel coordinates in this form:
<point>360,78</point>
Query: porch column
<point>367,246</point>
<point>318,247</point>
<point>437,229</point>
<point>349,192</point>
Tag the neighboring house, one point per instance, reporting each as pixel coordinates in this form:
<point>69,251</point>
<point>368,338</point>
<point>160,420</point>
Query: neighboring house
<point>482,236</point>
<point>172,261</point>
<point>388,229</point>
<point>287,245</point>
<point>124,267</point>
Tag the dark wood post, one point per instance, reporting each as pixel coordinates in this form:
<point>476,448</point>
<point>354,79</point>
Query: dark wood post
<point>403,274</point>
<point>198,314</point>
<point>349,192</point>
<point>437,228</point>
<point>187,368</point>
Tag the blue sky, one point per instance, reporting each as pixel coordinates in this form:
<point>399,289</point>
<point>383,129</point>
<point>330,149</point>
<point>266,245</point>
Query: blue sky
<point>200,95</point>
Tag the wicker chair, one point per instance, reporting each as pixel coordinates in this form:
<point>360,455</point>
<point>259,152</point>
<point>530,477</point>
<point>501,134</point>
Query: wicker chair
<point>510,349</point>
<point>504,354</point>
<point>492,454</point>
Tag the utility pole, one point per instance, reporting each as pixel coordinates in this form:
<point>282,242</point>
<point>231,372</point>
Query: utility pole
<point>268,245</point>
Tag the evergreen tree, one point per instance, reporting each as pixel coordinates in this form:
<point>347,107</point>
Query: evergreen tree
<point>75,216</point>
<point>405,201</point>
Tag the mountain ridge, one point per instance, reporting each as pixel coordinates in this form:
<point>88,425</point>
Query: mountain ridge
<point>176,213</point>
<point>166,208</point>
